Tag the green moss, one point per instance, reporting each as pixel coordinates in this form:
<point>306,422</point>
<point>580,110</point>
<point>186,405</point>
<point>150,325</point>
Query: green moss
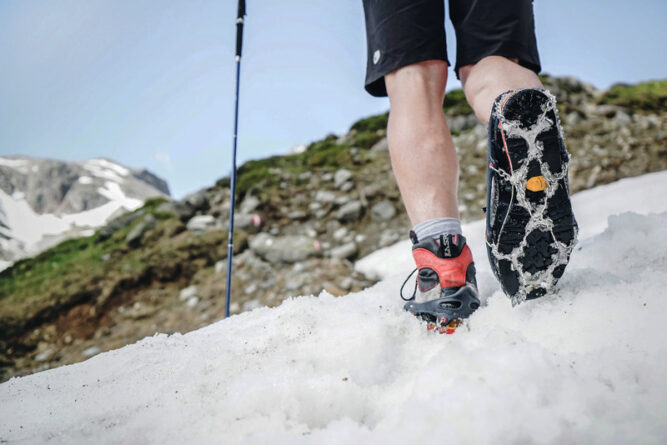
<point>646,96</point>
<point>326,154</point>
<point>367,139</point>
<point>153,203</point>
<point>371,124</point>
<point>52,271</point>
<point>253,174</point>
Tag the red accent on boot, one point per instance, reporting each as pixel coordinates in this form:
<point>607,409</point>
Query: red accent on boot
<point>451,271</point>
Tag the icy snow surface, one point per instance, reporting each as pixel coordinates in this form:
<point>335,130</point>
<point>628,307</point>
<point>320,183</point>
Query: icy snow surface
<point>584,365</point>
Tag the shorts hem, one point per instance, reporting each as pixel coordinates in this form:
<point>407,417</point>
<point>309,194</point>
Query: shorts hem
<point>375,84</point>
<point>508,50</point>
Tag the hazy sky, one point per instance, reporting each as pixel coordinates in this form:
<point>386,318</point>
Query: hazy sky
<point>150,83</point>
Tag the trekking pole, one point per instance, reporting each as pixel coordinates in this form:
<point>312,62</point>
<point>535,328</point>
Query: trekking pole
<point>230,238</point>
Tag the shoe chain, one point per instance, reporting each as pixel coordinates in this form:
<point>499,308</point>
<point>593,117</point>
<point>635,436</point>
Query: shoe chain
<point>538,215</point>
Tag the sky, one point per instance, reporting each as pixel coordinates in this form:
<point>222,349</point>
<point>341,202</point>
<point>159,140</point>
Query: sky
<point>150,83</point>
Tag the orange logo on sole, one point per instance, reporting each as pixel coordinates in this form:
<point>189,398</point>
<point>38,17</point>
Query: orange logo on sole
<point>536,184</point>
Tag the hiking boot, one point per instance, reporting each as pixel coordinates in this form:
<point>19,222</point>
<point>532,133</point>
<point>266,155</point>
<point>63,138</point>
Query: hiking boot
<point>530,227</point>
<point>445,290</point>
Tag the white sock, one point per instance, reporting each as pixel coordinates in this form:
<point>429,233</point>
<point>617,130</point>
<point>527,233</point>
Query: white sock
<point>436,227</point>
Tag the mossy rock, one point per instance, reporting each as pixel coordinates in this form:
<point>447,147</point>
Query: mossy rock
<point>646,96</point>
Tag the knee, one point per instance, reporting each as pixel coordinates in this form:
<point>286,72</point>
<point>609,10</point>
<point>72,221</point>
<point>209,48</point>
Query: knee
<point>422,81</point>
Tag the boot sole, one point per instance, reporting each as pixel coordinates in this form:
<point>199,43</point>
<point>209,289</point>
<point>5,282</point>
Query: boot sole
<point>537,227</point>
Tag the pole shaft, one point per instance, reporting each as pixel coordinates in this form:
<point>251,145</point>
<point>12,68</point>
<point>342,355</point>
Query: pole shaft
<point>230,236</point>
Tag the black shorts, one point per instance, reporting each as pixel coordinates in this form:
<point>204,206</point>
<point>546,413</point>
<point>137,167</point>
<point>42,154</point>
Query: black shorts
<point>403,32</point>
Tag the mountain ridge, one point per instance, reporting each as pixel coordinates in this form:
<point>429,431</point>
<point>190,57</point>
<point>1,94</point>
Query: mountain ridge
<point>43,201</point>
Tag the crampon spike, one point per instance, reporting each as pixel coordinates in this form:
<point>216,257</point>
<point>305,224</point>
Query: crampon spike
<point>443,326</point>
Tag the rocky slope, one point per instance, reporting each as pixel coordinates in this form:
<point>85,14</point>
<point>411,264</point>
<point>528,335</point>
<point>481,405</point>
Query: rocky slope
<point>43,201</point>
<point>302,220</point>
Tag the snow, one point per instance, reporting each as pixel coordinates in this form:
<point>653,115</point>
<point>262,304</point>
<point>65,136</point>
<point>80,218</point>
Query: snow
<point>643,195</point>
<point>20,165</point>
<point>13,163</point>
<point>105,169</point>
<point>32,230</point>
<point>583,365</point>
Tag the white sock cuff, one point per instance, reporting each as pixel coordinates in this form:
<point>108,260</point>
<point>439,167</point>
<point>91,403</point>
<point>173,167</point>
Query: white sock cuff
<point>436,227</point>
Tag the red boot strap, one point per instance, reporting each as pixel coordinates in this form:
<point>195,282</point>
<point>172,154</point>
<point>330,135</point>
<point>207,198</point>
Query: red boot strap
<point>451,271</point>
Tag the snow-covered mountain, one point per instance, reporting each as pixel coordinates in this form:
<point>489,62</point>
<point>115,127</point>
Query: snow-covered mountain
<point>583,365</point>
<point>44,201</point>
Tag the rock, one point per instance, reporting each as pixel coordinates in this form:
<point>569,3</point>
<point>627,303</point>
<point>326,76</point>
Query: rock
<point>182,211</point>
<point>573,118</point>
<point>622,119</point>
<point>220,266</point>
<point>381,145</point>
<point>201,223</point>
<point>461,123</point>
<point>192,301</point>
<point>346,187</point>
<point>324,197</point>
<point>383,211</point>
<point>327,177</point>
<point>480,132</point>
<point>297,215</point>
<point>346,283</point>
<point>314,206</point>
<point>284,249</point>
<point>250,305</point>
<point>46,355</point>
<point>340,233</point>
<point>345,251</point>
<point>245,221</point>
<point>309,231</point>
<point>133,238</point>
<point>341,177</point>
<point>294,282</point>
<point>135,235</point>
<point>91,351</point>
<point>388,237</point>
<point>305,176</point>
<point>347,138</point>
<point>139,311</point>
<point>350,211</point>
<point>249,204</point>
<point>372,190</point>
<point>197,201</point>
<point>608,110</point>
<point>342,200</point>
<point>118,223</point>
<point>188,292</point>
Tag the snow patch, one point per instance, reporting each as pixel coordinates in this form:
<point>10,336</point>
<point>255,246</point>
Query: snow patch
<point>35,231</point>
<point>105,169</point>
<point>20,165</point>
<point>643,195</point>
<point>585,364</point>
